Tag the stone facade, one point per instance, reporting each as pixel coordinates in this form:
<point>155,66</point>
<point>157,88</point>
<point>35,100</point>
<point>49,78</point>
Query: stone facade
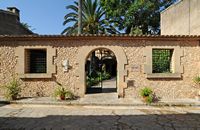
<point>131,55</point>
<point>182,18</point>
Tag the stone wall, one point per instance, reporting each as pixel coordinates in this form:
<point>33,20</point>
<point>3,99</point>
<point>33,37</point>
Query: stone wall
<point>165,88</point>
<point>69,48</point>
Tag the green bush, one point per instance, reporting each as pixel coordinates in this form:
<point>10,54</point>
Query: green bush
<point>12,89</point>
<point>106,76</point>
<point>91,81</point>
<point>145,92</point>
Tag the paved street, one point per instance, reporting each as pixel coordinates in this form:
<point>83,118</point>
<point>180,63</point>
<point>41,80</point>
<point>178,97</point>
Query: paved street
<point>44,117</point>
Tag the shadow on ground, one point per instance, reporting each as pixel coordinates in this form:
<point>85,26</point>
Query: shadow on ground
<point>107,122</point>
<point>4,103</point>
<point>101,90</point>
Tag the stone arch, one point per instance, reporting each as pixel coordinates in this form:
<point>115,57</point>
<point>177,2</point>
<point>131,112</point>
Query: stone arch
<point>121,71</point>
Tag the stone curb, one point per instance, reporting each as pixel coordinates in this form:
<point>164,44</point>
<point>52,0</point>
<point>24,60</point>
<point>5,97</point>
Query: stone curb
<point>59,103</point>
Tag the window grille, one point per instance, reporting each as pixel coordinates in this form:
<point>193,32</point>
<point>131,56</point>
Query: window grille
<point>37,61</point>
<point>162,60</point>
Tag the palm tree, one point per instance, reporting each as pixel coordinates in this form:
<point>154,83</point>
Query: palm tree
<point>93,19</point>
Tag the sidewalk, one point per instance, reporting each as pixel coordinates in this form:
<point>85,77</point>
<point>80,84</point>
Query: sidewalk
<point>110,102</point>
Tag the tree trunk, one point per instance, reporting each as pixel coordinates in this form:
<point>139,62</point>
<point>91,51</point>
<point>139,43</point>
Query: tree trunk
<point>80,17</point>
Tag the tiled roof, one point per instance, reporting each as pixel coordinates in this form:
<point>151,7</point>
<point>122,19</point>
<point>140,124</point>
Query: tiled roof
<point>123,36</point>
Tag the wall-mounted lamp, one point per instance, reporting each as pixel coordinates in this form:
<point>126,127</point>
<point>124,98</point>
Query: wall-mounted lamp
<point>65,65</point>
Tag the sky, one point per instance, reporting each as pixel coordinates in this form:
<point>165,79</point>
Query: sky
<point>44,16</point>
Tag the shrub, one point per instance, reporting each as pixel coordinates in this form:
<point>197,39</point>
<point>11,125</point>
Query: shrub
<point>92,81</point>
<point>12,89</point>
<point>106,76</point>
<point>145,92</point>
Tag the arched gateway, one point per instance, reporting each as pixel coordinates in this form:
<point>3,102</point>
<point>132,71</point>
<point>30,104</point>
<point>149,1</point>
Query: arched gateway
<point>121,71</point>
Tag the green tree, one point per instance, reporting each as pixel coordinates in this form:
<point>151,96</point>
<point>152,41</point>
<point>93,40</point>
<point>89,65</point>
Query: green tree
<point>93,19</point>
<point>135,16</point>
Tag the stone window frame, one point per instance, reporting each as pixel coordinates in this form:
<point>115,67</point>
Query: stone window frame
<point>20,68</point>
<point>177,68</point>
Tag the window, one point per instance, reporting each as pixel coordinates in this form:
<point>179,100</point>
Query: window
<point>162,60</point>
<point>36,61</point>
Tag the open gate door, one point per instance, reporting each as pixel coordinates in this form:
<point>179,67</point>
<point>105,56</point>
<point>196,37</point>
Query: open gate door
<point>99,67</point>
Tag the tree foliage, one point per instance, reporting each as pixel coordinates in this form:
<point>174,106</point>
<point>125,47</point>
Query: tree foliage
<point>135,16</point>
<point>93,19</point>
<point>27,26</point>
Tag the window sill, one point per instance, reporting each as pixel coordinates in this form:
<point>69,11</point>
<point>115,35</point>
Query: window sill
<point>35,76</point>
<point>164,76</point>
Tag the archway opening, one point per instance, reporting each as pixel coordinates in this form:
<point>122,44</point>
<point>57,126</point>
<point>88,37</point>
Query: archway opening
<point>101,72</point>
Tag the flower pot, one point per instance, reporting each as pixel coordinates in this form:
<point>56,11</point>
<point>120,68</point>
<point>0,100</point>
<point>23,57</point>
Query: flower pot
<point>144,99</point>
<point>13,97</point>
<point>62,97</point>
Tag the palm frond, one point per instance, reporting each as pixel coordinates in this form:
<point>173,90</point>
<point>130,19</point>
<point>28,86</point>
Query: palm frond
<point>73,15</point>
<point>69,20</point>
<point>72,7</point>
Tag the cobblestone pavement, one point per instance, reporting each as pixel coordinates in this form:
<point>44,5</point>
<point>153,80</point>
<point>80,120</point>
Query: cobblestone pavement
<point>46,117</point>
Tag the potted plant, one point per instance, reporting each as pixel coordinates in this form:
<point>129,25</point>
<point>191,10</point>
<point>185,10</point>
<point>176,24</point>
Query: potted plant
<point>197,81</point>
<point>63,94</point>
<point>12,90</point>
<point>69,95</point>
<point>147,94</point>
<point>60,92</point>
